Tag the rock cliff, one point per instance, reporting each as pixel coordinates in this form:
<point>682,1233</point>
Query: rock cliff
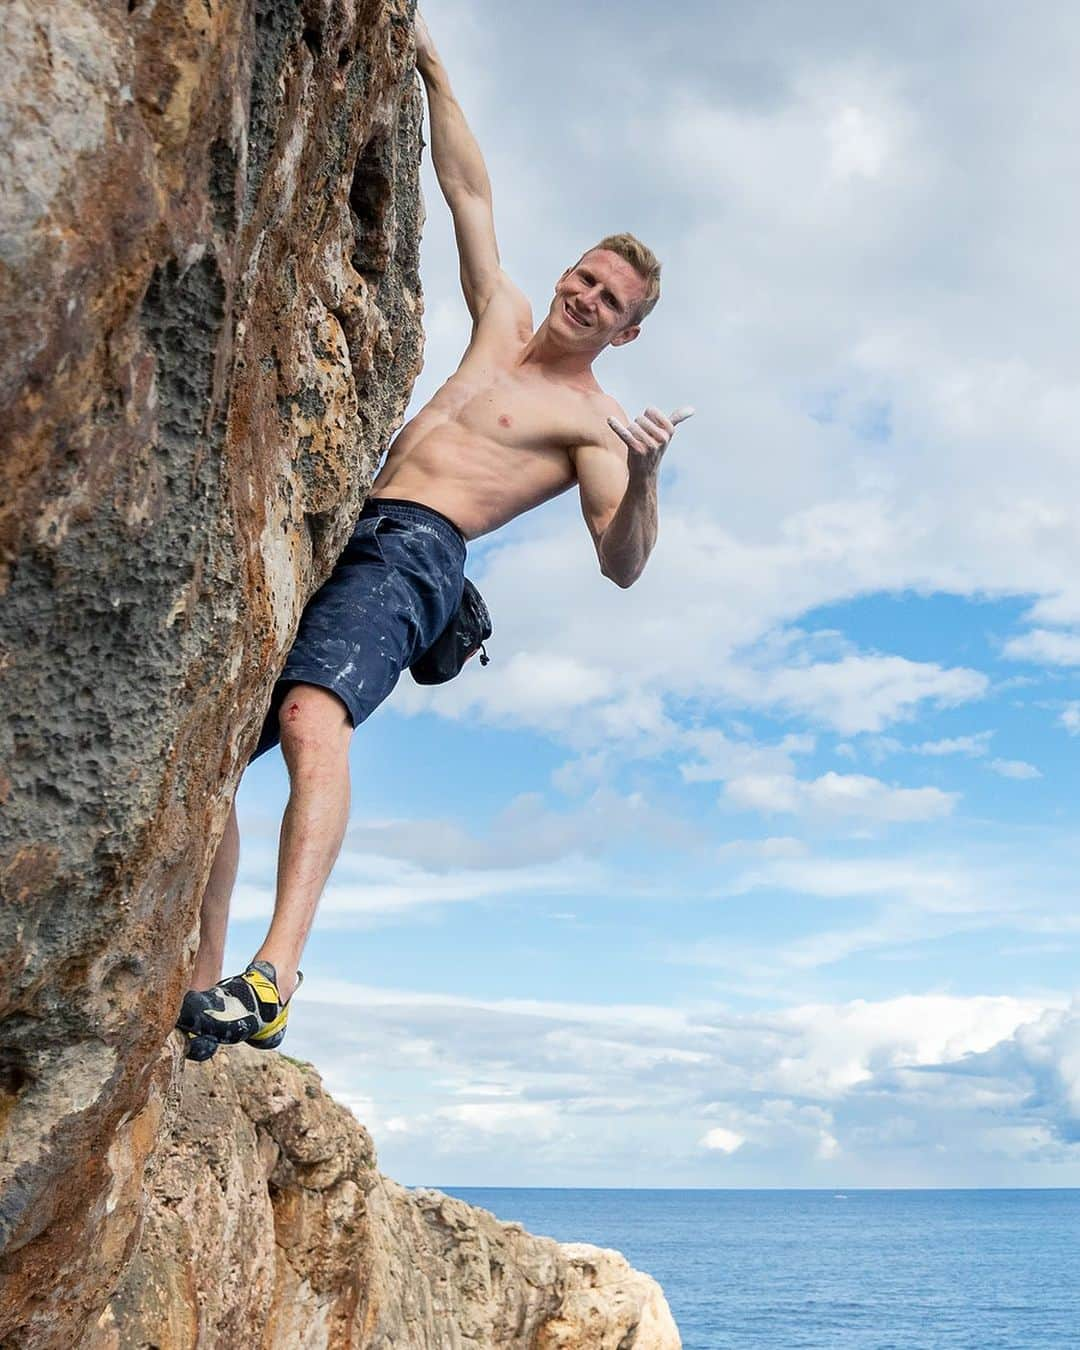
<point>210,306</point>
<point>281,1233</point>
<point>210,319</point>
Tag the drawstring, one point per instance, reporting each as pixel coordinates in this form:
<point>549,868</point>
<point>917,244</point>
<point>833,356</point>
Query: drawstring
<point>484,658</point>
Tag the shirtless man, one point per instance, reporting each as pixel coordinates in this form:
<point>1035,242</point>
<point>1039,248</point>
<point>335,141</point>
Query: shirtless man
<point>521,420</point>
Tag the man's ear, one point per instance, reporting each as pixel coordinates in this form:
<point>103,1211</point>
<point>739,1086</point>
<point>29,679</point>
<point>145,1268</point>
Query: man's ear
<point>627,335</point>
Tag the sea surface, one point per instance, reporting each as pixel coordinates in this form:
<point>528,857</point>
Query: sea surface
<point>836,1269</point>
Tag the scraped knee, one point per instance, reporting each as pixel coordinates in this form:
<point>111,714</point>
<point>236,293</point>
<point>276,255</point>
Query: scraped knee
<point>315,727</point>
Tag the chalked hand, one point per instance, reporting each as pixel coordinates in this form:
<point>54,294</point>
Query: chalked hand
<point>648,436</point>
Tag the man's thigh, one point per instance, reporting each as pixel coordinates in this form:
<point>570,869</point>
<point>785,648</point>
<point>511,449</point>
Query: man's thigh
<point>382,604</point>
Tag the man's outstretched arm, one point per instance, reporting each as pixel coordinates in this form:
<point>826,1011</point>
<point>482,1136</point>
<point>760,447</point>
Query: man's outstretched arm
<point>619,496</point>
<point>463,177</point>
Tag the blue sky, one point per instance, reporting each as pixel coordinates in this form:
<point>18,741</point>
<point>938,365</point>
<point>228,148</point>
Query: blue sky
<point>762,872</point>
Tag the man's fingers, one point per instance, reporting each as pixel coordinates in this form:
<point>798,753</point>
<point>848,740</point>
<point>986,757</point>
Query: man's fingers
<point>652,426</point>
<point>653,435</point>
<point>657,418</point>
<point>622,432</point>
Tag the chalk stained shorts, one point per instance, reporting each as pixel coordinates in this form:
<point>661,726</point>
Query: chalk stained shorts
<point>395,587</point>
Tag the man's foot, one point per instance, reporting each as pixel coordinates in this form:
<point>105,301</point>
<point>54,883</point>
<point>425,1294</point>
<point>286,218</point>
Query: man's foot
<point>245,1007</point>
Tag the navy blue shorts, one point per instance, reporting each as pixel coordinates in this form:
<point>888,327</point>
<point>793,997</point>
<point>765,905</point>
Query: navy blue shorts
<point>394,589</point>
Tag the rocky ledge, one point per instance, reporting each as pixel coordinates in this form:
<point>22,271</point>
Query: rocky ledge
<point>267,1223</point>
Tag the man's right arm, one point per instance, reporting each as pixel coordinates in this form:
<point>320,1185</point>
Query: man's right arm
<point>464,180</point>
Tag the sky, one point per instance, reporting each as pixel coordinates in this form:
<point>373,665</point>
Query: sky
<point>763,871</point>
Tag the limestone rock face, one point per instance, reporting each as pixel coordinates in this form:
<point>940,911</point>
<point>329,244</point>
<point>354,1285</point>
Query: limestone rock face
<point>209,327</point>
<point>269,1225</point>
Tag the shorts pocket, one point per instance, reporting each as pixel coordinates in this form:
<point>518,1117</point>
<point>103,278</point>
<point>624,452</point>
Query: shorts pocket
<point>365,544</point>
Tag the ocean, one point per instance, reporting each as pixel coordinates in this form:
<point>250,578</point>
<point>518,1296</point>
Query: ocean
<point>984,1270</point>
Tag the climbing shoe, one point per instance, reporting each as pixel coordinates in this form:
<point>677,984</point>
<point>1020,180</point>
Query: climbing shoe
<point>271,1036</point>
<point>244,1007</point>
<point>200,1048</point>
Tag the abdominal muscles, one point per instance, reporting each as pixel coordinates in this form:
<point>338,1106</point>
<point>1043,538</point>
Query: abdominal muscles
<point>478,482</point>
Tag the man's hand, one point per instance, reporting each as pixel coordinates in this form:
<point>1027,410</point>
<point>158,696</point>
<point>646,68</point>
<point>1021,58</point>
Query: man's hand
<point>647,438</point>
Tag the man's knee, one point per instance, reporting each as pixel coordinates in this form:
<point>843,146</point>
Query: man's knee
<point>315,726</point>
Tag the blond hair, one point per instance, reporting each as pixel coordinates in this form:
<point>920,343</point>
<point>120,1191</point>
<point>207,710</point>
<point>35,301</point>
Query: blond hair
<point>644,262</point>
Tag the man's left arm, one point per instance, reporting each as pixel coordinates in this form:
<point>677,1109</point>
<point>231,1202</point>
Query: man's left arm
<point>619,496</point>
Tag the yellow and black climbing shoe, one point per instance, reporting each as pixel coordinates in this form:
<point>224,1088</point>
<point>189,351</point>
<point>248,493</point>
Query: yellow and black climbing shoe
<point>271,1036</point>
<point>244,1007</point>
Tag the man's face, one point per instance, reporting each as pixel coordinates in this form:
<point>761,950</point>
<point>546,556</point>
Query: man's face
<point>595,301</point>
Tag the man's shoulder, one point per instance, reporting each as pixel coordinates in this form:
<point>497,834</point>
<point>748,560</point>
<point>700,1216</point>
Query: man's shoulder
<point>601,405</point>
<point>602,401</point>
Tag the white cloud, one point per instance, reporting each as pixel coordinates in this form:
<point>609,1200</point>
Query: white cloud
<point>1070,718</point>
<point>1015,768</point>
<point>838,796</point>
<point>940,887</point>
<point>1045,646</point>
<point>722,1141</point>
<point>604,666</point>
<point>366,886</point>
<point>844,1045</point>
<point>775,1123</point>
<point>975,746</point>
<point>858,144</point>
<point>1042,1055</point>
<point>1059,610</point>
<point>861,693</point>
<point>445,1076</point>
<point>525,833</point>
<point>517,1118</point>
<point>721,757</point>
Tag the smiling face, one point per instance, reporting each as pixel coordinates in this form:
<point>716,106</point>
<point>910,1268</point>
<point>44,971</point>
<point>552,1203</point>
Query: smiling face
<point>596,301</point>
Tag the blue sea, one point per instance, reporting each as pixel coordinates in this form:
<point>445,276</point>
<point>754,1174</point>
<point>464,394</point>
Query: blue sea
<point>836,1269</point>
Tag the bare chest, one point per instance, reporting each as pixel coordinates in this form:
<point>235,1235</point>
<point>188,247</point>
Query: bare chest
<point>521,415</point>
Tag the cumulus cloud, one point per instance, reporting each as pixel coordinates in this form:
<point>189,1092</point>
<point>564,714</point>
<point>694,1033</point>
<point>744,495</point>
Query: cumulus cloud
<point>366,887</point>
<point>1045,647</point>
<point>599,669</point>
<point>926,885</point>
<point>842,1046</point>
<point>975,746</point>
<point>452,1077</point>
<point>723,757</point>
<point>780,1124</point>
<point>526,832</point>
<point>722,1141</point>
<point>521,1119</point>
<point>838,796</point>
<point>1014,768</point>
<point>860,693</point>
<point>1042,1055</point>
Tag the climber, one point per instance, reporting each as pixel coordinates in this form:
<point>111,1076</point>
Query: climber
<point>520,420</point>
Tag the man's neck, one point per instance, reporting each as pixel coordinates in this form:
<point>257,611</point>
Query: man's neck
<point>544,353</point>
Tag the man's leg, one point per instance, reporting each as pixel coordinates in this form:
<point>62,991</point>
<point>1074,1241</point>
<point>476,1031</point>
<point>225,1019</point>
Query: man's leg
<point>315,735</point>
<point>214,916</point>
